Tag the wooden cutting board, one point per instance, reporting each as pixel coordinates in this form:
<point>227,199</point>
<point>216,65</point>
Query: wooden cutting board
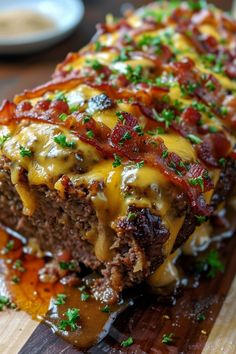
<point>147,321</point>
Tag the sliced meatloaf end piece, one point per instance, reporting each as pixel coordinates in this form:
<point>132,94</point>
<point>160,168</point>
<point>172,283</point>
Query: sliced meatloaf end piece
<point>57,224</point>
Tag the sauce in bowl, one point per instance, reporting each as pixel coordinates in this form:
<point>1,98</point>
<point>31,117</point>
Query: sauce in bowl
<point>19,22</point>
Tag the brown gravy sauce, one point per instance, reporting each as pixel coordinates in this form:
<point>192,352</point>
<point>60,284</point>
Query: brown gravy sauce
<point>38,299</point>
<point>18,23</point>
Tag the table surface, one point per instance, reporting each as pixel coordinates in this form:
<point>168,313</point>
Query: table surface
<point>21,72</point>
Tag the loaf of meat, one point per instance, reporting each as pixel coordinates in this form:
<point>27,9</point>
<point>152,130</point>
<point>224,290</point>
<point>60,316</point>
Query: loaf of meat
<point>130,147</point>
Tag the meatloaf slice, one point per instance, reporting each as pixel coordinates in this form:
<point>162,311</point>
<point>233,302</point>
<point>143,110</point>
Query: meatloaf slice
<point>130,147</point>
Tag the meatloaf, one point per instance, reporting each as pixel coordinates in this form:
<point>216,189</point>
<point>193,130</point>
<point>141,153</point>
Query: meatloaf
<point>130,148</point>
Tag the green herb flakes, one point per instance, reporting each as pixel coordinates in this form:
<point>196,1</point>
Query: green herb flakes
<point>62,141</point>
<point>117,161</point>
<point>3,139</point>
<point>72,315</point>
<point>84,297</point>
<point>128,342</point>
<point>60,300</point>
<point>168,338</point>
<point>194,139</point>
<point>105,309</point>
<point>198,181</point>
<point>24,152</point>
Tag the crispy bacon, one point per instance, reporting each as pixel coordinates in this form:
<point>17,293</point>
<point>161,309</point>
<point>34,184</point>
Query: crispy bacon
<point>152,151</point>
<point>213,148</point>
<point>7,112</point>
<point>103,28</point>
<point>51,86</point>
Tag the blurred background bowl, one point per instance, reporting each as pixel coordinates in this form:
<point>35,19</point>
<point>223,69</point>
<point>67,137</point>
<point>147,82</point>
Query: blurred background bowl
<point>64,14</point>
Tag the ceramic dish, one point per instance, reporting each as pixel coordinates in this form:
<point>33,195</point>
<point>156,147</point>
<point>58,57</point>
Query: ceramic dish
<point>65,15</point>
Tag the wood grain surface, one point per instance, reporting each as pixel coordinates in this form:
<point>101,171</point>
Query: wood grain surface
<point>21,335</point>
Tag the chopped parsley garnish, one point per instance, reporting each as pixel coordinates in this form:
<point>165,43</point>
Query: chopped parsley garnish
<point>210,264</point>
<point>126,343</point>
<point>158,16</point>
<point>189,89</point>
<point>215,63</point>
<point>82,288</point>
<point>209,58</point>
<point>117,161</point>
<point>224,111</point>
<point>60,300</point>
<point>94,63</point>
<point>86,119</point>
<point>18,265</point>
<point>200,219</point>
<point>123,55</point>
<point>197,181</point>
<point>3,139</point>
<point>105,309</point>
<point>4,302</point>
<point>212,129</point>
<point>98,46</point>
<point>183,165</point>
<point>15,279</point>
<point>222,161</point>
<point>210,85</point>
<point>194,139</point>
<point>168,338</point>
<point>84,297</point>
<point>197,5</point>
<point>165,154</point>
<point>25,152</point>
<point>158,131</point>
<point>140,164</point>
<point>60,96</point>
<point>199,106</point>
<point>63,116</point>
<point>120,116</point>
<point>68,265</point>
<point>71,321</point>
<point>167,116</point>
<point>152,41</point>
<point>131,216</point>
<point>138,129</point>
<point>9,247</point>
<point>125,137</point>
<point>201,317</point>
<point>74,108</point>
<point>62,141</point>
<point>134,75</point>
<point>90,134</point>
<point>166,99</point>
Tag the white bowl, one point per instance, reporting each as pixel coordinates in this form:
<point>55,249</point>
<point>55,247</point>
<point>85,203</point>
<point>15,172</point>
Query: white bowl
<point>66,15</point>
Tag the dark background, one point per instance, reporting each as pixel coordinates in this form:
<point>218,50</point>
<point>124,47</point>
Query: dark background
<point>18,73</point>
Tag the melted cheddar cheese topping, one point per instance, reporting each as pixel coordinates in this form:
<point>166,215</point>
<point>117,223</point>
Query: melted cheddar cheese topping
<point>127,184</point>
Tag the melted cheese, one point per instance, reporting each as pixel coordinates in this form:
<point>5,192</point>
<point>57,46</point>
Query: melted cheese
<point>117,188</point>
